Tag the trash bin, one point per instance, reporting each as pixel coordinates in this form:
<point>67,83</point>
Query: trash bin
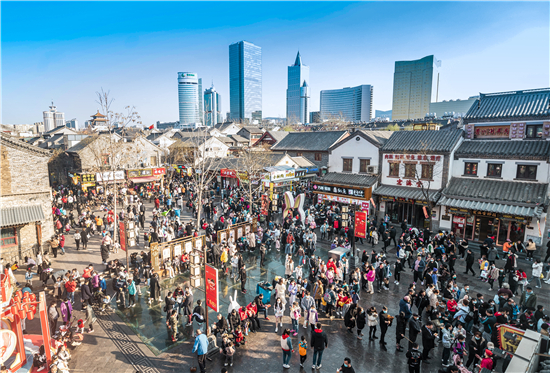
<point>264,288</point>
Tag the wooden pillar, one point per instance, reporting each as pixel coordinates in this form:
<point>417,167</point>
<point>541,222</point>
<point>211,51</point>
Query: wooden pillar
<point>498,231</point>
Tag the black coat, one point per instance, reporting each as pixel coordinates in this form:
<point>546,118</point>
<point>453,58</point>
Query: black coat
<point>319,340</point>
<point>361,320</point>
<point>85,292</point>
<point>154,288</point>
<point>428,338</point>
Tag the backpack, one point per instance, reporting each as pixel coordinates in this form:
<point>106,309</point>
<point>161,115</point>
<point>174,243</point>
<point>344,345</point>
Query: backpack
<point>326,297</point>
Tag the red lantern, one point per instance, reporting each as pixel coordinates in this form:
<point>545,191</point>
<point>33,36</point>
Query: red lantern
<point>33,297</point>
<point>22,313</point>
<point>19,294</point>
<point>14,309</point>
<point>30,315</point>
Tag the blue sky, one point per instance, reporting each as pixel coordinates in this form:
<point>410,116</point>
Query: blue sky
<point>66,51</point>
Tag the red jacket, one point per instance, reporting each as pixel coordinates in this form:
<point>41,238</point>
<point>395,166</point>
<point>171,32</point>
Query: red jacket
<point>70,286</point>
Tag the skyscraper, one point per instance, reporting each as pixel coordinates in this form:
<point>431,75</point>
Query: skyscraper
<point>188,96</point>
<point>297,93</point>
<point>245,82</point>
<point>413,86</point>
<point>352,104</point>
<point>212,107</point>
<point>73,123</point>
<point>53,118</point>
<point>201,103</point>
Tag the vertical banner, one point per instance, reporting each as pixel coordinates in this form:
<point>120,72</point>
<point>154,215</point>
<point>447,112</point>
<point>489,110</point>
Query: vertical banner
<point>360,224</point>
<point>365,206</point>
<point>425,209</point>
<point>122,235</point>
<point>211,284</point>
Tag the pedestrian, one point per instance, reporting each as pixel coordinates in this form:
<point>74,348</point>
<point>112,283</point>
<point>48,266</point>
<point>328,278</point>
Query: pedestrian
<point>428,341</point>
<point>372,322</point>
<point>302,350</point>
<point>201,348</point>
<point>528,299</point>
<point>242,274</point>
<point>295,315</point>
<point>172,323</point>
<point>90,318</point>
<point>385,322</point>
<point>54,243</point>
<point>319,342</point>
<point>279,310</point>
<point>84,239</point>
<point>53,316</point>
<point>531,248</point>
<point>229,353</point>
<point>400,329</point>
<point>286,345</point>
<point>447,340</point>
<point>470,259</point>
<point>414,357</point>
<point>346,367</point>
<point>77,237</point>
<point>536,272</point>
<point>131,293</point>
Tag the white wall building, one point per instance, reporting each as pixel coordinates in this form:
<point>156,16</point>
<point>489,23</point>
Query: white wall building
<point>53,118</point>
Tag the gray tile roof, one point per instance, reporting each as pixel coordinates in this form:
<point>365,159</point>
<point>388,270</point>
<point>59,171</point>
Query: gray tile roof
<point>309,141</point>
<point>302,161</point>
<point>491,207</point>
<point>7,140</point>
<point>349,179</point>
<point>442,141</point>
<point>81,145</point>
<point>533,103</point>
<point>377,137</point>
<point>278,135</point>
<point>499,191</point>
<point>505,149</point>
<point>405,192</point>
<point>10,216</point>
<point>239,138</point>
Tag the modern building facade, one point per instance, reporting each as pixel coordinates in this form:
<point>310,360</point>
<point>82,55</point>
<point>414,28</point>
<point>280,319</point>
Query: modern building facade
<point>457,108</point>
<point>212,107</point>
<point>413,87</point>
<point>73,123</point>
<point>382,114</point>
<point>314,117</point>
<point>297,93</point>
<point>188,97</point>
<point>351,104</point>
<point>245,82</point>
<point>53,118</point>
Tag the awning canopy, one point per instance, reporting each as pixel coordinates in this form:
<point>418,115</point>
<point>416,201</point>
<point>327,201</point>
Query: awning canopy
<point>491,207</point>
<point>146,179</point>
<point>406,192</point>
<point>12,216</point>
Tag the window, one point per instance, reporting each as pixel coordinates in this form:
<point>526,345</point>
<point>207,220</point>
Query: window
<point>494,170</point>
<point>347,164</point>
<point>394,169</point>
<point>153,161</point>
<point>299,154</point>
<point>527,172</point>
<point>470,168</point>
<point>363,163</point>
<point>533,132</point>
<point>318,156</point>
<point>427,171</point>
<point>9,237</point>
<point>410,170</point>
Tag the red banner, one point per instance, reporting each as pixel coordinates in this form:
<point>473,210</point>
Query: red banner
<point>226,172</point>
<point>212,293</point>
<point>159,171</point>
<point>365,207</point>
<point>122,235</point>
<point>361,224</point>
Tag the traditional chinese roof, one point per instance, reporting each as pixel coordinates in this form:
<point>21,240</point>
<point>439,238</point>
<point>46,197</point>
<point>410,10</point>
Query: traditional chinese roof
<point>502,196</point>
<point>309,141</point>
<point>358,180</point>
<point>406,192</point>
<point>504,149</point>
<point>423,141</point>
<point>515,105</point>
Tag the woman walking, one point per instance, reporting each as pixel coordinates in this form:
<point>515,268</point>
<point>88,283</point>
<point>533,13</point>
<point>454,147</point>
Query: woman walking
<point>286,345</point>
<point>279,312</point>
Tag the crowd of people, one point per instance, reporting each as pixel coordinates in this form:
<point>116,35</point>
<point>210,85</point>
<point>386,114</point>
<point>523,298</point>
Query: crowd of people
<point>436,305</point>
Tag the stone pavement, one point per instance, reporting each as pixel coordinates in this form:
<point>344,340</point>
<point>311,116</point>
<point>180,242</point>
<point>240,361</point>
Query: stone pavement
<point>114,347</point>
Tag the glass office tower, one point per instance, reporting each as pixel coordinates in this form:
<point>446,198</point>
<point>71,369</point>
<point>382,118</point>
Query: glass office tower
<point>188,97</point>
<point>245,82</point>
<point>353,104</point>
<point>297,93</point>
<point>212,107</point>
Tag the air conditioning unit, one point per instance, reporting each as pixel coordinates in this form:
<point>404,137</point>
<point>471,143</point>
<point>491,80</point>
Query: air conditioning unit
<point>372,170</point>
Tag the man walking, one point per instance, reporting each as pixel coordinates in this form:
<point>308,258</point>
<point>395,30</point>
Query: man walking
<point>201,348</point>
<point>414,329</point>
<point>319,342</point>
<point>428,341</point>
<point>470,262</point>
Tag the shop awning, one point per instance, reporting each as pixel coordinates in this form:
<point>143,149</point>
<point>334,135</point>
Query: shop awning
<point>147,179</point>
<point>491,207</point>
<point>11,216</point>
<point>405,192</point>
<point>348,179</point>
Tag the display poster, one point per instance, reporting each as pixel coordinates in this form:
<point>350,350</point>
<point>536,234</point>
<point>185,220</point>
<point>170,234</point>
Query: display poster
<point>212,293</point>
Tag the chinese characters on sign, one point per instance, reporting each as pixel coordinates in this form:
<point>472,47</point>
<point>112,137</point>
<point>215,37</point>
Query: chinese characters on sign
<point>159,171</point>
<point>225,172</point>
<point>360,224</point>
<point>350,192</point>
<point>413,157</point>
<point>140,173</point>
<point>212,294</point>
<point>492,131</point>
<point>484,213</point>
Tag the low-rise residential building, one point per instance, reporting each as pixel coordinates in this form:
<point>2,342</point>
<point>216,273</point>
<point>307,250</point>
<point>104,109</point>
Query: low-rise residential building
<point>251,133</point>
<point>25,200</point>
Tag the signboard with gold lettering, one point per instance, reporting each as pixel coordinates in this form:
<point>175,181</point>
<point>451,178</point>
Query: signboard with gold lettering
<point>509,344</point>
<point>140,173</point>
<point>492,131</point>
<point>484,213</point>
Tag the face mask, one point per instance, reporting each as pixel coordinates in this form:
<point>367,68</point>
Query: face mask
<point>477,338</point>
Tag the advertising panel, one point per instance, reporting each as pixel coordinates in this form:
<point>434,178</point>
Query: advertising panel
<point>360,224</point>
<point>212,294</point>
<point>122,232</point>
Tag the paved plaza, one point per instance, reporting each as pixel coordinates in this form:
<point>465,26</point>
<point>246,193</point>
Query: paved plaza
<point>136,339</point>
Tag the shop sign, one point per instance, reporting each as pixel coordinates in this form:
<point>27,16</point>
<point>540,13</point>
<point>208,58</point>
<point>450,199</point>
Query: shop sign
<point>282,175</point>
<point>159,171</point>
<point>140,173</point>
<point>454,210</point>
<point>243,176</point>
<point>492,131</point>
<point>364,204</point>
<point>484,213</point>
<point>87,179</point>
<point>509,344</point>
<point>413,157</point>
<point>386,199</point>
<point>521,219</point>
<point>351,192</point>
<point>459,219</point>
<point>109,176</point>
<point>311,170</point>
<point>300,173</point>
<point>360,224</point>
<point>212,293</point>
<point>225,172</point>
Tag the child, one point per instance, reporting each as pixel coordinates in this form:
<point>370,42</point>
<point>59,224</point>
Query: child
<point>239,337</point>
<point>295,315</point>
<point>229,352</point>
<point>80,326</point>
<point>28,276</point>
<point>106,300</point>
<point>303,350</point>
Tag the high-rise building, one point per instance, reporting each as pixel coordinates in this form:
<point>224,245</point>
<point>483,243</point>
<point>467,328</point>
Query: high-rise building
<point>188,97</point>
<point>297,93</point>
<point>314,117</point>
<point>245,82</point>
<point>457,108</point>
<point>73,123</point>
<point>353,104</point>
<point>212,107</point>
<point>413,87</point>
<point>201,103</point>
<point>53,118</point>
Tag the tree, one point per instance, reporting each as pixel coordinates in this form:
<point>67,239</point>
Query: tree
<point>250,171</point>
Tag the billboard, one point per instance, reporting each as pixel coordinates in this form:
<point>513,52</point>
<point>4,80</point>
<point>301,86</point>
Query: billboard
<point>211,285</point>
<point>360,224</point>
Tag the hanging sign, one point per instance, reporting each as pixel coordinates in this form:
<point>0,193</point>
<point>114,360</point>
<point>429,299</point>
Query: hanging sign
<point>212,293</point>
<point>122,235</point>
